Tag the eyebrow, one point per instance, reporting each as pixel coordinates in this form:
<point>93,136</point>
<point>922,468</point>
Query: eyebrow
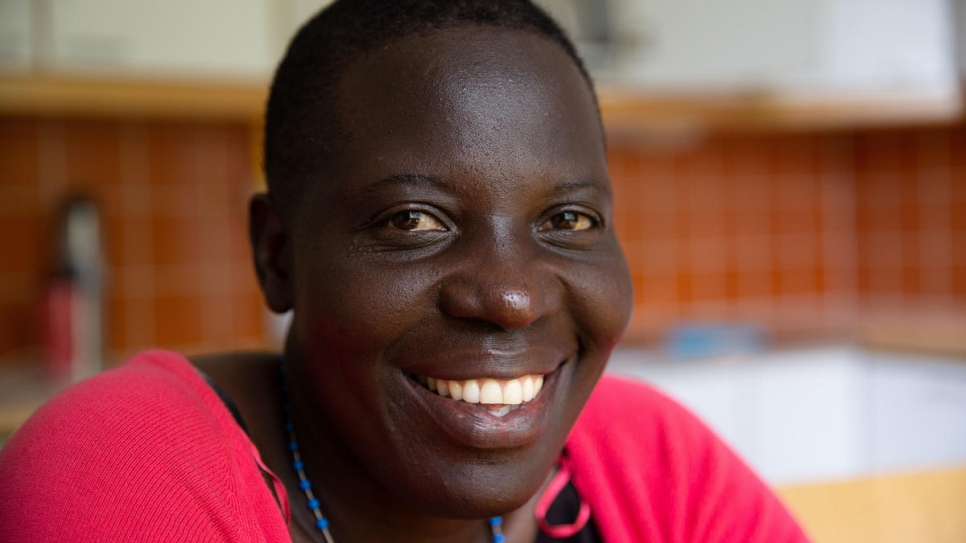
<point>430,181</point>
<point>573,186</point>
<point>402,179</point>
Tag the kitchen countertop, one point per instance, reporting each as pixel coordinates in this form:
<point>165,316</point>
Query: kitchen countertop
<point>894,508</point>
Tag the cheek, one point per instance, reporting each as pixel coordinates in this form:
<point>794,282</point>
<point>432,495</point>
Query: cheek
<point>359,308</point>
<point>349,318</point>
<point>602,301</point>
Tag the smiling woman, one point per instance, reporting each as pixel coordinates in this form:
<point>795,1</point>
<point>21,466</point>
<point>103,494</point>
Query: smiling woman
<point>439,220</point>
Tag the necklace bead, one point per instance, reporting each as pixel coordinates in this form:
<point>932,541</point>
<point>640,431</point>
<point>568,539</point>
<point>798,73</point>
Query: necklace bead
<point>322,523</point>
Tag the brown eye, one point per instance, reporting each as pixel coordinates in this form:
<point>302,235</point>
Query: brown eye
<point>413,220</point>
<point>570,220</point>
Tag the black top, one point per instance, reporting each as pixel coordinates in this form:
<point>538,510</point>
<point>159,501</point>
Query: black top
<point>564,510</point>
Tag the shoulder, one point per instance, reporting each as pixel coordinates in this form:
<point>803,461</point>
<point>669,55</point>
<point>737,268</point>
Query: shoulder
<point>107,454</point>
<point>156,391</point>
<point>632,427</point>
<point>649,467</point>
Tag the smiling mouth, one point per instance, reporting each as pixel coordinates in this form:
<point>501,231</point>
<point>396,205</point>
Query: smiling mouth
<point>498,396</point>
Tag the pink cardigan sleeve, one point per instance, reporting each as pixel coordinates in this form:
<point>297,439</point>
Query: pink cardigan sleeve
<point>652,472</point>
<point>146,452</point>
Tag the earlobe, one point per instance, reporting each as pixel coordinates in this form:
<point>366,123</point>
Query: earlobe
<point>271,252</point>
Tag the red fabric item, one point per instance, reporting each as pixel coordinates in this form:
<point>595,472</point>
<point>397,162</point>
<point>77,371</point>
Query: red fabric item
<point>59,326</point>
<point>147,452</point>
<point>653,473</point>
<point>550,494</point>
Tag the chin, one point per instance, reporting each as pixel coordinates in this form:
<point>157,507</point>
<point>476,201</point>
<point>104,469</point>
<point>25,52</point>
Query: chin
<point>481,490</point>
<point>472,483</point>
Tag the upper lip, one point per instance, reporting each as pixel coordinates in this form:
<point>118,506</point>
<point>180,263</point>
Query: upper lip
<point>464,365</point>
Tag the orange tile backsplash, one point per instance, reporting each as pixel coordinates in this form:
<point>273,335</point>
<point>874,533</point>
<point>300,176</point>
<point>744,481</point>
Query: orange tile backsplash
<point>806,231</point>
<point>173,198</point>
<point>803,232</point>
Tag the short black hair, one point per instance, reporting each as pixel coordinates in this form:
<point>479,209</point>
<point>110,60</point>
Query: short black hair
<point>301,122</point>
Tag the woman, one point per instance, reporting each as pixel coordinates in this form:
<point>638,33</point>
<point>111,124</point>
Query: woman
<point>439,220</point>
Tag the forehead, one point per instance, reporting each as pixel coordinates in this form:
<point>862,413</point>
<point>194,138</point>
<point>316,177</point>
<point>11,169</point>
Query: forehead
<point>469,98</point>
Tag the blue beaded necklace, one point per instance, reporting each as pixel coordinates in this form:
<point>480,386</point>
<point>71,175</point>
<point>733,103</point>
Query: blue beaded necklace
<point>322,523</point>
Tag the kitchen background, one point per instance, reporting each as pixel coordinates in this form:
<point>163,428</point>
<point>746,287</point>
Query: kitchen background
<point>790,189</point>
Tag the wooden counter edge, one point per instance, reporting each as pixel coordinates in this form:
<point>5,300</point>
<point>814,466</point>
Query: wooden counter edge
<point>923,506</point>
<point>624,110</point>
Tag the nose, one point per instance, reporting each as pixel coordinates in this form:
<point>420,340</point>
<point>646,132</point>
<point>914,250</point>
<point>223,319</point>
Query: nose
<point>504,284</point>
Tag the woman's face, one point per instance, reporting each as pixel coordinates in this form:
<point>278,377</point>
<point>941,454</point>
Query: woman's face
<point>464,234</point>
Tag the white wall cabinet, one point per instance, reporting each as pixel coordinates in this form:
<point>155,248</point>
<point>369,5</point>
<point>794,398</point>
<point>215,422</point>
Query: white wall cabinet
<point>212,39</point>
<point>209,38</point>
<point>764,63</point>
<point>820,49</point>
<point>16,34</point>
<point>722,45</point>
<point>300,11</point>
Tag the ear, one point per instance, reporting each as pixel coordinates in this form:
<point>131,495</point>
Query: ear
<point>272,252</point>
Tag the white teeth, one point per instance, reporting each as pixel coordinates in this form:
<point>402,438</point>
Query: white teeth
<point>500,410</point>
<point>456,390</point>
<point>471,392</point>
<point>487,391</point>
<point>491,392</point>
<point>513,392</point>
<point>527,388</point>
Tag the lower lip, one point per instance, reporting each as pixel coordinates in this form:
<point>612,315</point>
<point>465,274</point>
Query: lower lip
<point>472,426</point>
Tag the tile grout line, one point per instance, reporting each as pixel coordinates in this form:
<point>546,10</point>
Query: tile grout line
<point>136,172</point>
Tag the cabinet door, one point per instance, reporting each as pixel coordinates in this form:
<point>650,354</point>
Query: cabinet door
<point>800,48</point>
<point>920,413</point>
<point>302,10</point>
<point>794,416</point>
<point>903,47</point>
<point>214,38</point>
<point>812,415</point>
<point>715,45</point>
<point>15,34</point>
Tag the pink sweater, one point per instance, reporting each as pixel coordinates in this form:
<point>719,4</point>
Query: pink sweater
<point>148,452</point>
